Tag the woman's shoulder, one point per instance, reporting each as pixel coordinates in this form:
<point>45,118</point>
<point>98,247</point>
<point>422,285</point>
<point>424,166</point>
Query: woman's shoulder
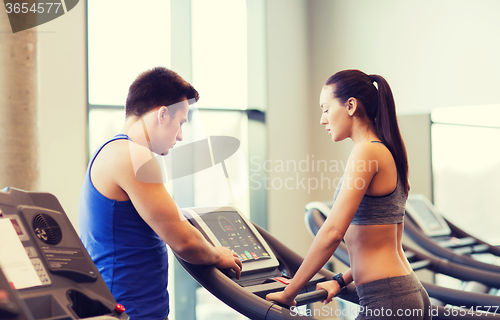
<point>367,150</point>
<point>370,153</point>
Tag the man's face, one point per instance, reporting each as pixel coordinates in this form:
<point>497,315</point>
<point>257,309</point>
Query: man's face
<point>170,121</point>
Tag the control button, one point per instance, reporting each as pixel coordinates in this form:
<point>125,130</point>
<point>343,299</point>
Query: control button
<point>31,252</point>
<point>119,308</point>
<point>282,280</point>
<point>40,270</point>
<point>249,256</point>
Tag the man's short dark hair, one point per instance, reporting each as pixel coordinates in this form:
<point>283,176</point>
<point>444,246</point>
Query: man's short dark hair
<point>155,88</point>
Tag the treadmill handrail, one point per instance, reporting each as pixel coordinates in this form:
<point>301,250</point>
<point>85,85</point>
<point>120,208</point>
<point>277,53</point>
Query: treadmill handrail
<point>495,250</point>
<point>256,307</point>
<point>450,296</point>
<point>280,249</point>
<point>479,301</point>
<point>415,234</point>
<point>455,270</point>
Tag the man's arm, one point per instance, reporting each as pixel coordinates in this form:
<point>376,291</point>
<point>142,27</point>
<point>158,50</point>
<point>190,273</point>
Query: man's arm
<point>155,205</point>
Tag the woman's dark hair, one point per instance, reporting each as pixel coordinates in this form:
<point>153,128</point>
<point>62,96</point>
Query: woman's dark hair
<point>157,87</point>
<point>378,105</point>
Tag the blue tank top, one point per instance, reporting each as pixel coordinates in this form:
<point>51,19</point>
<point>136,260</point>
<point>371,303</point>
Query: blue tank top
<point>131,257</point>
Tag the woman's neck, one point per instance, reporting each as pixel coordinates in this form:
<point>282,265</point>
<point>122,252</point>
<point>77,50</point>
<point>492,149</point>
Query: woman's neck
<point>363,131</point>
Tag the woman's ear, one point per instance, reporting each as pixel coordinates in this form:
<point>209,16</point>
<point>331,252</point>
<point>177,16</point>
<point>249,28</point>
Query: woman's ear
<point>352,106</point>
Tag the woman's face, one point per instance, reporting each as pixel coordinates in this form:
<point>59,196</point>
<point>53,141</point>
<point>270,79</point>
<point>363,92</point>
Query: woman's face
<point>335,116</point>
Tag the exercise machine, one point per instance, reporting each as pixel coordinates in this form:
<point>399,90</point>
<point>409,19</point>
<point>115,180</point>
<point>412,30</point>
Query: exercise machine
<point>425,225</point>
<point>268,265</point>
<point>45,271</point>
<point>316,213</point>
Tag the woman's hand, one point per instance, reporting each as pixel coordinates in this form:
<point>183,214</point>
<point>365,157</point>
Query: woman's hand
<point>282,298</point>
<point>332,287</point>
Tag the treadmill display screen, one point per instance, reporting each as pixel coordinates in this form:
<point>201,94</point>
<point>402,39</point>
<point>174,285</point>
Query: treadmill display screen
<point>233,233</point>
<point>426,215</point>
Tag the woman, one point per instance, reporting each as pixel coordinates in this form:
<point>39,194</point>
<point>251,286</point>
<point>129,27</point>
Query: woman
<point>368,205</point>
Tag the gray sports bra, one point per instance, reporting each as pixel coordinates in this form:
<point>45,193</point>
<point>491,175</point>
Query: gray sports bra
<point>387,209</point>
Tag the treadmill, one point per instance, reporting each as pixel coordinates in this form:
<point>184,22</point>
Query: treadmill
<point>315,216</point>
<point>45,271</point>
<point>430,230</point>
<point>268,264</point>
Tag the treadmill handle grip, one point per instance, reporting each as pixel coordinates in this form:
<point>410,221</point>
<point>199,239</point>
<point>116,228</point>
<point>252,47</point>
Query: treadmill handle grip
<point>312,296</point>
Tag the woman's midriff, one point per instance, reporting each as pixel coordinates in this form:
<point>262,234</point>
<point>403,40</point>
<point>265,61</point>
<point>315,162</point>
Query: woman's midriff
<point>375,252</point>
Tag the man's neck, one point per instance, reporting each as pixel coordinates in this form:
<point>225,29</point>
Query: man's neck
<point>134,129</point>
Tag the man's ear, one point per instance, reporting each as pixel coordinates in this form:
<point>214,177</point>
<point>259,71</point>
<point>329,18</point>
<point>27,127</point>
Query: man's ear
<point>352,106</point>
<point>163,114</point>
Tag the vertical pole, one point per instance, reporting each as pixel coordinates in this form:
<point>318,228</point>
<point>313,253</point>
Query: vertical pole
<point>257,105</point>
<point>185,286</point>
<point>18,106</point>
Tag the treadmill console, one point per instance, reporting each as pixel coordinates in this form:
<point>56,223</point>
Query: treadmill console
<point>227,227</point>
<point>44,261</point>
<point>426,216</point>
<point>267,265</point>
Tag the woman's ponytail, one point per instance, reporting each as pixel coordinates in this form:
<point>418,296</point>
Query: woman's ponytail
<point>387,128</point>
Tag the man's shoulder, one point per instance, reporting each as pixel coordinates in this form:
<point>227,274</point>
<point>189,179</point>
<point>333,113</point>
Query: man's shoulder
<point>113,153</point>
<point>131,160</point>
<point>123,166</point>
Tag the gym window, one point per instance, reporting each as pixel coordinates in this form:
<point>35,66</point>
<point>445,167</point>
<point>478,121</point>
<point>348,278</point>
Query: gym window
<point>466,167</point>
<point>120,46</point>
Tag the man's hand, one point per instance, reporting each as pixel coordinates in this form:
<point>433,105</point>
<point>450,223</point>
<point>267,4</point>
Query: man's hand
<point>229,260</point>
<point>332,287</point>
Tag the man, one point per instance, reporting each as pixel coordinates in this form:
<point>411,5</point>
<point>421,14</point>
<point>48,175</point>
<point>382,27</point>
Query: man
<point>126,215</point>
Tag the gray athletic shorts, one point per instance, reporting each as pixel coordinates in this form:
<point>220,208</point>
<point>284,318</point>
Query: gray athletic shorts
<point>401,297</point>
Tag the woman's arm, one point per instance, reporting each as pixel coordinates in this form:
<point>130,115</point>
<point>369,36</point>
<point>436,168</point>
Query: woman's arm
<point>333,288</point>
<point>357,178</point>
